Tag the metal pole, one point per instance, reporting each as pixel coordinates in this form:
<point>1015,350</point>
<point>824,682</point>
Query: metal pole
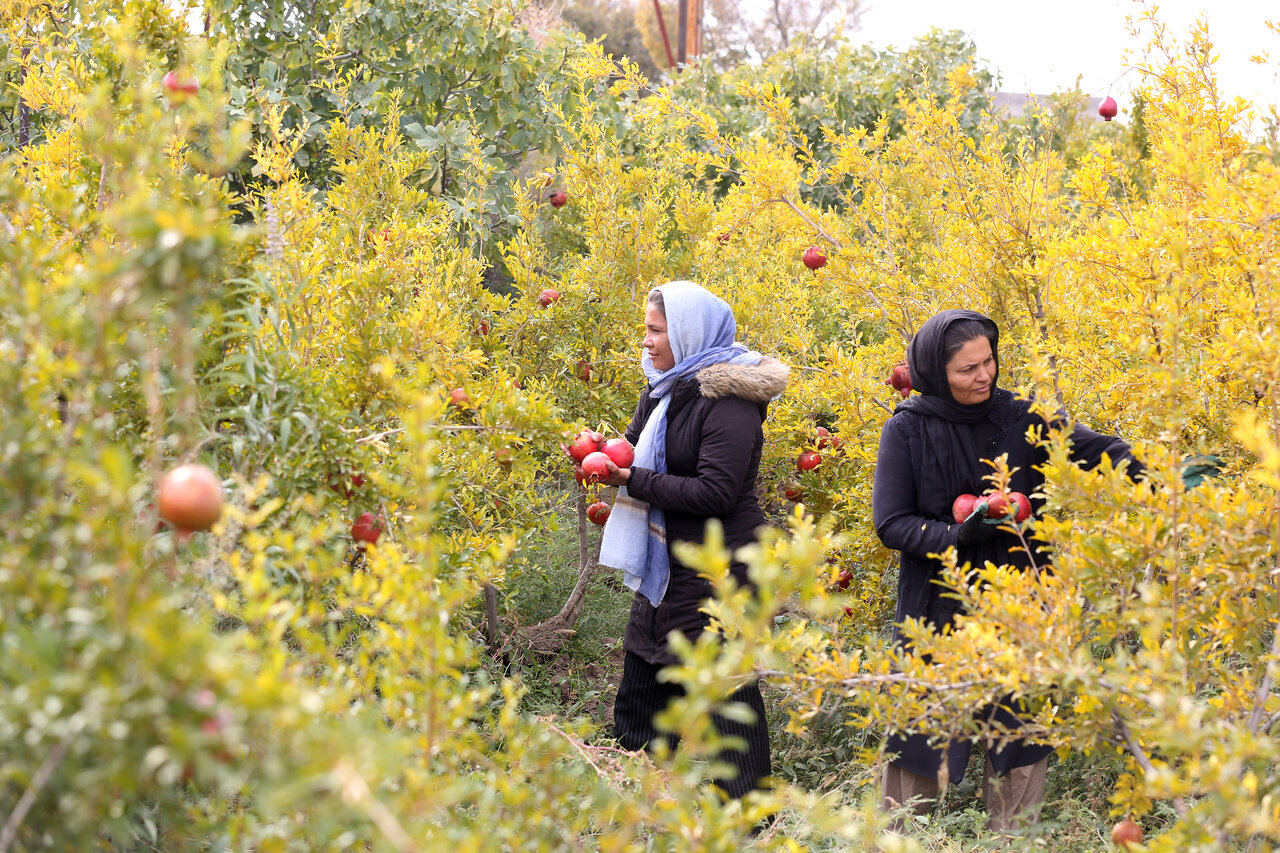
<point>695,29</point>
<point>666,42</point>
<point>682,32</point>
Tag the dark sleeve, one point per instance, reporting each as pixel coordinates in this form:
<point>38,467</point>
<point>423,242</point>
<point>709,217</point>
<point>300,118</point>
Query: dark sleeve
<point>725,450</point>
<point>1087,448</point>
<point>894,505</point>
<point>632,434</point>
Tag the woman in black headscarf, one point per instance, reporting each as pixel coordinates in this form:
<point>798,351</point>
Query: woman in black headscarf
<point>931,452</point>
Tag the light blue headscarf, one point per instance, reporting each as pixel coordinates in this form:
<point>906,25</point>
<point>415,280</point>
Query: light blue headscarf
<point>701,332</point>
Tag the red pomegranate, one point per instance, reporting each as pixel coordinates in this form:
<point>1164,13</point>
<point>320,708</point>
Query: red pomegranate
<point>190,497</point>
<point>962,507</point>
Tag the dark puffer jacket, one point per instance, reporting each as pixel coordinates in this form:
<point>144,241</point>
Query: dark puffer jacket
<point>714,439</point>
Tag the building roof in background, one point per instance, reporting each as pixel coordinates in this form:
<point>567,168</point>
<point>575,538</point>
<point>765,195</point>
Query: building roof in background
<point>1015,104</point>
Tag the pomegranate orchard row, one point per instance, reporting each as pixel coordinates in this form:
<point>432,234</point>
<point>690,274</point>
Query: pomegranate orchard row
<point>340,351</point>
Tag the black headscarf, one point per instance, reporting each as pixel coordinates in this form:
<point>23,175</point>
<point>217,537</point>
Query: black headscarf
<point>948,439</point>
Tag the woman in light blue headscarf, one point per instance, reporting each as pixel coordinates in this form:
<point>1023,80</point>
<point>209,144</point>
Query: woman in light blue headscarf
<point>697,433</point>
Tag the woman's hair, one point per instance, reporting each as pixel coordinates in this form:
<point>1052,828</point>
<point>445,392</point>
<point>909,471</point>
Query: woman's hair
<point>960,333</point>
<point>655,298</point>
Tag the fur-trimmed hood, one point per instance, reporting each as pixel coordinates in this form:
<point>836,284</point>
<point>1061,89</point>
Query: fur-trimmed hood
<point>759,383</point>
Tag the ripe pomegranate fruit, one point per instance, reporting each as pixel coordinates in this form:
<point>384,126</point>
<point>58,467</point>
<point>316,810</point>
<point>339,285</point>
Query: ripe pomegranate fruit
<point>808,460</point>
<point>1126,833</point>
<point>1107,109</point>
<point>814,258</point>
<point>900,379</point>
<point>366,528</point>
<point>997,505</point>
<point>548,296</point>
<point>558,198</point>
<point>190,497</point>
<point>1021,506</point>
<point>178,88</point>
<point>962,507</point>
<point>620,451</point>
<point>598,512</point>
<point>587,441</point>
<point>336,483</point>
<point>595,467</point>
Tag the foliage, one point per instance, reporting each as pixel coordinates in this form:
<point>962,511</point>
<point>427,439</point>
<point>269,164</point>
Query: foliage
<point>340,699</point>
<point>806,99</point>
<point>615,24</point>
<point>468,83</point>
<point>733,33</point>
<point>293,298</point>
<point>1120,302</point>
<point>736,33</point>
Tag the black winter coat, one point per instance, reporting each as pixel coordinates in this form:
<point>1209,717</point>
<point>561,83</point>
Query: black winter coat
<point>917,523</point>
<point>714,439</point>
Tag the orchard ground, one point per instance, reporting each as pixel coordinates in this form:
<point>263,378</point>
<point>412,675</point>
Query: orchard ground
<point>582,679</point>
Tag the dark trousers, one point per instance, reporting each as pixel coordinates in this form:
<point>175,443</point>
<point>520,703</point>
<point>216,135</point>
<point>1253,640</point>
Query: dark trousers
<point>641,696</point>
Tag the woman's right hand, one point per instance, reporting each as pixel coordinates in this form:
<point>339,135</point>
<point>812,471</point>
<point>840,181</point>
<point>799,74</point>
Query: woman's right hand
<point>616,476</point>
<point>977,528</point>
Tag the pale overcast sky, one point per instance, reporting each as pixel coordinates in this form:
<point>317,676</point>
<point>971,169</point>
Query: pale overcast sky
<point>1042,46</point>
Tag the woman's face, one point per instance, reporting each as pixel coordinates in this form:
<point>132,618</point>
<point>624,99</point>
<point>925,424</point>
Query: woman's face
<point>655,339</point>
<point>971,372</point>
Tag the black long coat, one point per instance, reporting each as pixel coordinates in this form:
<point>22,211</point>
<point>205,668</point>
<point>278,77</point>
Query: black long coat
<point>714,439</point>
<point>915,521</point>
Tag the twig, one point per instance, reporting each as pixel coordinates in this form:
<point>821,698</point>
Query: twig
<point>1264,687</point>
<point>612,755</point>
<point>1140,755</point>
<point>355,790</point>
<point>1271,721</point>
<point>822,232</point>
<point>866,680</point>
<point>577,745</point>
<point>102,187</point>
<point>588,558</point>
<point>441,427</point>
<point>51,761</point>
<point>378,435</point>
<point>492,629</point>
